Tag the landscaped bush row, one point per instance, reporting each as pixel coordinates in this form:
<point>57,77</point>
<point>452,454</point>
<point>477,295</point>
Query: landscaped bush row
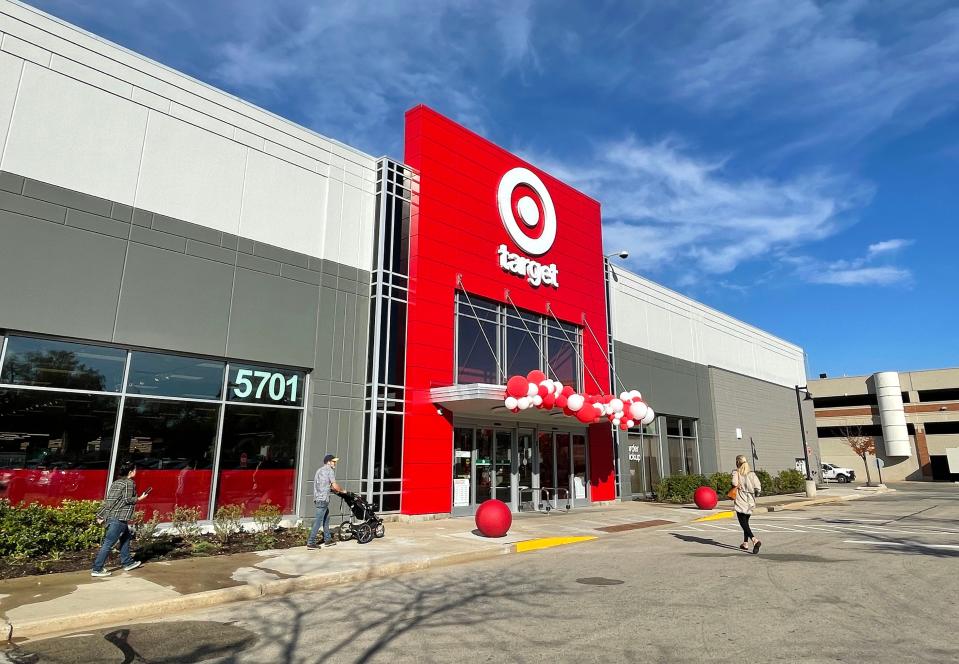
<point>680,488</point>
<point>38,531</point>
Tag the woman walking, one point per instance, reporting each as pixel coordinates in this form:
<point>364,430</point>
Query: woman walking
<point>747,487</point>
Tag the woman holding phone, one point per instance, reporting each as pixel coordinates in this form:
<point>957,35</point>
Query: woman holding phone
<point>747,486</point>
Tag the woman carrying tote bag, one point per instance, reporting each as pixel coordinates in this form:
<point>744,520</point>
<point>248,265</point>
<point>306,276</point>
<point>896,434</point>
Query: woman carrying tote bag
<point>746,487</point>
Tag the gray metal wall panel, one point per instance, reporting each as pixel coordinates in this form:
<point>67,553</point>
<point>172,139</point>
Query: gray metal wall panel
<point>765,412</point>
<point>172,300</point>
<point>180,287</point>
<point>272,319</point>
<point>58,279</point>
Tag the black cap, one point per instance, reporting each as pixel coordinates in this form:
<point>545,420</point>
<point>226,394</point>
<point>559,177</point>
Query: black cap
<point>330,457</point>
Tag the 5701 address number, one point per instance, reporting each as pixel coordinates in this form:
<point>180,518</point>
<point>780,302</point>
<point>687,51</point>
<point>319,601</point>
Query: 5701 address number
<point>254,383</point>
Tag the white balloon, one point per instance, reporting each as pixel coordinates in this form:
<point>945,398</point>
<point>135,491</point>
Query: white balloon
<point>511,402</point>
<point>523,403</point>
<point>616,421</point>
<point>624,396</point>
<point>557,389</point>
<point>537,400</point>
<point>548,384</point>
<point>532,389</point>
<point>638,410</point>
<point>616,406</point>
<point>650,416</point>
<point>600,408</point>
<point>575,402</point>
<point>630,423</point>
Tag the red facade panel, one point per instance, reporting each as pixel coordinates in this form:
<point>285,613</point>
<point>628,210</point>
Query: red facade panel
<point>454,235</point>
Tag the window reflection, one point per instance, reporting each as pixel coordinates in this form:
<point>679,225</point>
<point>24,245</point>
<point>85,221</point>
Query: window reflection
<point>54,445</point>
<point>158,375</point>
<point>172,444</point>
<point>258,457</point>
<point>48,363</point>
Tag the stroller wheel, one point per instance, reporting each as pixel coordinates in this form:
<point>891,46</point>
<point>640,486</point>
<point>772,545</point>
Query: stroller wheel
<point>379,530</point>
<point>363,533</point>
<point>346,531</point>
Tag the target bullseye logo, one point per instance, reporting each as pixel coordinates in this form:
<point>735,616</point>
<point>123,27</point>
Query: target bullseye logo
<point>527,209</point>
<point>523,198</point>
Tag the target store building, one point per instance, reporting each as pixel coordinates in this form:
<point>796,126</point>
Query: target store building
<point>222,296</point>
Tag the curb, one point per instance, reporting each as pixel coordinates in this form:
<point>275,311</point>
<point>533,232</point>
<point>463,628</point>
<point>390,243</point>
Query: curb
<point>209,598</point>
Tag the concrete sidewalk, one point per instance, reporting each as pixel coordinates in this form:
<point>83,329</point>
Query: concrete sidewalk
<point>58,603</point>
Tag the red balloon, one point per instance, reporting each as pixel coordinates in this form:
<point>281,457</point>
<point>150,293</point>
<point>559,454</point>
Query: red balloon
<point>567,390</point>
<point>541,389</point>
<point>561,401</point>
<point>536,376</point>
<point>493,518</point>
<point>705,498</point>
<point>549,401</point>
<point>517,386</point>
<point>568,412</point>
<point>586,414</point>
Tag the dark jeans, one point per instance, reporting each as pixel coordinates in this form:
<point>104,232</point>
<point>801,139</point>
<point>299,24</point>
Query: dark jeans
<point>117,531</point>
<point>322,518</point>
<point>744,522</point>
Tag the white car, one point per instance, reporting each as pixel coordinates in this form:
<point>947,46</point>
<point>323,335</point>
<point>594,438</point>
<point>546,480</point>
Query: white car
<point>834,472</point>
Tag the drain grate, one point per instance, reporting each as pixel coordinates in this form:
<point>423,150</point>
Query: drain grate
<point>599,581</point>
<point>634,526</point>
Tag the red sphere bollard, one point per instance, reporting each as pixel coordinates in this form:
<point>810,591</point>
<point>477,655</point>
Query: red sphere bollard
<point>705,498</point>
<point>493,518</point>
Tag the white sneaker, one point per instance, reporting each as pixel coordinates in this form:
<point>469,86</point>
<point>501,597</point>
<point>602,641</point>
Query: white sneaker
<point>101,572</point>
<point>133,565</point>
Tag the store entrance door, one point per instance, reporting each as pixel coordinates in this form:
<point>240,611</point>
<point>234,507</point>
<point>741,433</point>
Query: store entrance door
<point>526,469</point>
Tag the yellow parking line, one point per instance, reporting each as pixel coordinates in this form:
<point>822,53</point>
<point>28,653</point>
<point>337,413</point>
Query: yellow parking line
<point>715,517</point>
<point>547,542</point>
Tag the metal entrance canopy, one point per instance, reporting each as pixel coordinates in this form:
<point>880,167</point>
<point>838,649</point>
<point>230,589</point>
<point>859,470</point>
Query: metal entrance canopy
<point>486,401</point>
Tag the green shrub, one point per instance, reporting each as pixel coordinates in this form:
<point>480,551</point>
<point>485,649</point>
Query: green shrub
<point>147,530</point>
<point>35,530</point>
<point>766,480</point>
<point>203,548</point>
<point>183,523</point>
<point>267,518</point>
<point>722,483</point>
<point>679,488</point>
<point>226,522</point>
<point>791,481</point>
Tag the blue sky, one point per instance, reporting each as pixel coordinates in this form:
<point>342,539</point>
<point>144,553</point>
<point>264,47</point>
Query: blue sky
<point>794,164</point>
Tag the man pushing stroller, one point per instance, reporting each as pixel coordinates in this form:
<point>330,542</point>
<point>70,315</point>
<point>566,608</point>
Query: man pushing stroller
<point>323,483</point>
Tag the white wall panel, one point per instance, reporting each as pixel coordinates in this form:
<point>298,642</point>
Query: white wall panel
<point>334,211</point>
<point>653,317</point>
<point>283,205</point>
<point>191,174</point>
<point>352,226</point>
<point>10,68</point>
<point>75,136</point>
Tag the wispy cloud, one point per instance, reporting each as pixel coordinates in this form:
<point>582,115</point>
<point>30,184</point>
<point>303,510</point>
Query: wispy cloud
<point>862,276</point>
<point>670,207</point>
<point>888,246</point>
<point>823,62</point>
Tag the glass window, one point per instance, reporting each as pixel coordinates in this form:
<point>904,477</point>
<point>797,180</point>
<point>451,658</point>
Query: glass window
<point>172,444</point>
<point>48,363</point>
<point>154,374</point>
<point>255,384</point>
<point>55,446</point>
<point>522,352</point>
<point>692,462</point>
<point>484,465</point>
<point>258,457</point>
<point>651,461</point>
<point>672,426</point>
<point>687,428</point>
<point>675,449</point>
<point>475,363</point>
<point>562,361</point>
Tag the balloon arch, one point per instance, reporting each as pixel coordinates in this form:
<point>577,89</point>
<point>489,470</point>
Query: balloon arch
<point>535,390</point>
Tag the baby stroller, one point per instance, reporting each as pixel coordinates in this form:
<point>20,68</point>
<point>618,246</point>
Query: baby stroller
<point>364,525</point>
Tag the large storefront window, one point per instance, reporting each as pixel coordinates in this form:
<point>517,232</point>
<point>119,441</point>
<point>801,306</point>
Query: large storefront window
<point>54,446</point>
<point>495,341</point>
<point>61,402</point>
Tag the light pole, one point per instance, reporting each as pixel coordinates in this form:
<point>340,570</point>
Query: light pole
<point>810,484</point>
<point>607,274</point>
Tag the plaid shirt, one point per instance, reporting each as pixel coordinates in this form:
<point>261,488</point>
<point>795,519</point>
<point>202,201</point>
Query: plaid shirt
<point>120,501</point>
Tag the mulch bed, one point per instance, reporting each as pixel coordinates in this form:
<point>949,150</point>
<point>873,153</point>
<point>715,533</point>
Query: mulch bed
<point>161,548</point>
